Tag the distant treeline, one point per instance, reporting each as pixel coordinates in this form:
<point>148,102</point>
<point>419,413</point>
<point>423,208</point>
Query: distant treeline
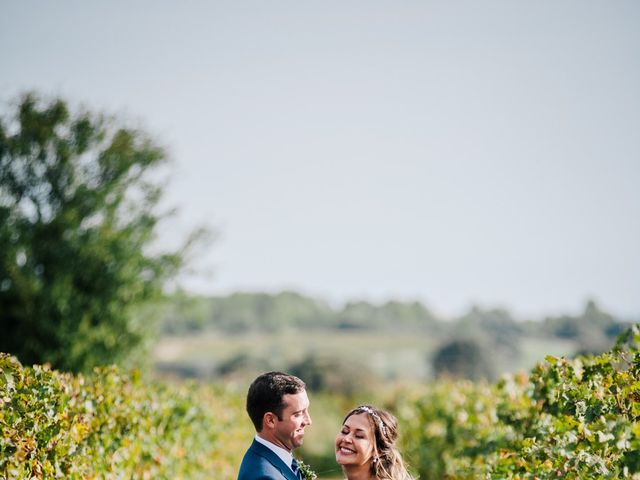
<point>241,313</point>
<point>481,344</point>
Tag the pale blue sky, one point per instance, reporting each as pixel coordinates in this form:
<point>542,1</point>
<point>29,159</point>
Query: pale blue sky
<point>454,152</point>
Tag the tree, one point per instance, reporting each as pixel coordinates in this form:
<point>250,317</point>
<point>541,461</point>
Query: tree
<point>78,215</point>
<point>461,358</point>
<point>334,374</point>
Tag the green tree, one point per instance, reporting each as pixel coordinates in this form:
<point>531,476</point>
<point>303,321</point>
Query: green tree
<point>323,373</point>
<point>244,311</point>
<point>78,215</point>
<point>462,358</point>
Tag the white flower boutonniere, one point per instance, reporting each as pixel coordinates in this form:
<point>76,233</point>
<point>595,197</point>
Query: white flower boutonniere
<point>307,473</point>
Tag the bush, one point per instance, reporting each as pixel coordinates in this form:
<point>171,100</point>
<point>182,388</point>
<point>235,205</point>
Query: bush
<point>568,419</point>
<point>113,425</point>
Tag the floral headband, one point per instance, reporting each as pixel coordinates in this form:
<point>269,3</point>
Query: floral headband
<point>375,416</point>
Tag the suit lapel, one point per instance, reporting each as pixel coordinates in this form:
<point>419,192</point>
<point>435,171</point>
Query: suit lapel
<point>273,459</point>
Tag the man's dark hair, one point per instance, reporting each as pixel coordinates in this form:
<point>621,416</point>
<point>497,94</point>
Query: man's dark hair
<point>266,392</point>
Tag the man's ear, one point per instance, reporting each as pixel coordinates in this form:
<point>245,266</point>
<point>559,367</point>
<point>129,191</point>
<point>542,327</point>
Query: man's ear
<point>269,420</point>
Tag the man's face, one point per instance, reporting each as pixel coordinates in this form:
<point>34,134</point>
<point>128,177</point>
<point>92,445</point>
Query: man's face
<point>289,432</point>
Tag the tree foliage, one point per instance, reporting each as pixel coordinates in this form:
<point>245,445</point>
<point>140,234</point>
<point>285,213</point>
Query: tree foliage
<point>463,359</point>
<point>77,217</point>
<point>324,373</point>
<point>243,312</point>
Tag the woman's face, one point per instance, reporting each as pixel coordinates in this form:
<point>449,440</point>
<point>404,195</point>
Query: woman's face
<point>356,440</point>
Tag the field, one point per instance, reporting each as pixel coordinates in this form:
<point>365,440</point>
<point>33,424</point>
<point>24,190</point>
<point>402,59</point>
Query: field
<point>393,357</point>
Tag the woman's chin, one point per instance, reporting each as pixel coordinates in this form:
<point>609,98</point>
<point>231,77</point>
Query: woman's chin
<point>341,459</point>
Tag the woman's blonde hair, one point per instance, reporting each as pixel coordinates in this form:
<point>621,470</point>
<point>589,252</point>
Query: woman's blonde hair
<point>387,463</point>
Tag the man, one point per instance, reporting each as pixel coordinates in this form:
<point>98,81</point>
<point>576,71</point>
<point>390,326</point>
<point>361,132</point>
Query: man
<point>278,406</point>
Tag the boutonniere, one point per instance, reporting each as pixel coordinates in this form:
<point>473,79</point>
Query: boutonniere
<point>307,473</point>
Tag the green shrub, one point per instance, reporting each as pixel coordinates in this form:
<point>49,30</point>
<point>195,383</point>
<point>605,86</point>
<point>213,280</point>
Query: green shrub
<point>114,425</point>
<point>568,419</point>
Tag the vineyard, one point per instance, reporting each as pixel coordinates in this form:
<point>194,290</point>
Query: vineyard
<point>112,425</point>
<point>569,419</point>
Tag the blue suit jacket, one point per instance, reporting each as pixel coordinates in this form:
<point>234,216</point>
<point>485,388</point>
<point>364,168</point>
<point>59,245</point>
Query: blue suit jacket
<point>260,463</point>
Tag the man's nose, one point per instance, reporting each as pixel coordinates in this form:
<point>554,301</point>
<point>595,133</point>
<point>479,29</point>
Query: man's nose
<point>308,419</point>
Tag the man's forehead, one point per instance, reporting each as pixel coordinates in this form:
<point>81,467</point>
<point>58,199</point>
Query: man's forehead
<point>296,401</point>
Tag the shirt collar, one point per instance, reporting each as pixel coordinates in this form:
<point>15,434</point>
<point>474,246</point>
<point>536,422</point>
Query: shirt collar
<point>284,455</point>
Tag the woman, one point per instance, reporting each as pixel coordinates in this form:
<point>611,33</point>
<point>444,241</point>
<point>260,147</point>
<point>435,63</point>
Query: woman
<point>365,446</point>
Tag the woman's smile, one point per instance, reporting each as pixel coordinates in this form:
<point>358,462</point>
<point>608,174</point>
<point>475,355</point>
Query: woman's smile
<point>355,441</point>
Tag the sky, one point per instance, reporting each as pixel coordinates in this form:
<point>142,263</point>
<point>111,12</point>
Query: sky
<point>457,153</point>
